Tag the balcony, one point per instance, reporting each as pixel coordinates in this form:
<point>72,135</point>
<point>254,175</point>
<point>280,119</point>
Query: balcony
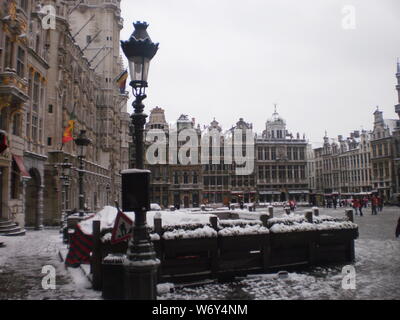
<point>397,108</point>
<point>13,89</point>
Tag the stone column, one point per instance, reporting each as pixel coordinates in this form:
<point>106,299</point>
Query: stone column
<point>39,218</point>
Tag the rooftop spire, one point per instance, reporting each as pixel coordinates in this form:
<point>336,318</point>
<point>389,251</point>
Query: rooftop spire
<point>398,65</point>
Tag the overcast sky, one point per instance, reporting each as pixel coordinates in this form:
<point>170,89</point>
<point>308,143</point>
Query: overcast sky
<point>230,59</point>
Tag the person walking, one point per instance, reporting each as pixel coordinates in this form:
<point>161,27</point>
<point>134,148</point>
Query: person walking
<point>365,201</point>
<point>357,205</point>
<point>334,203</point>
<point>360,206</point>
<point>380,204</point>
<point>374,205</point>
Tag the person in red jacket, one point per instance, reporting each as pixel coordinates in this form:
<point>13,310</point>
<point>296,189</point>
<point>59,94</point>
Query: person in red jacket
<point>357,204</point>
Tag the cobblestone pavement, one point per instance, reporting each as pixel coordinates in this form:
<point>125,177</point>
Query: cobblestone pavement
<point>377,270</point>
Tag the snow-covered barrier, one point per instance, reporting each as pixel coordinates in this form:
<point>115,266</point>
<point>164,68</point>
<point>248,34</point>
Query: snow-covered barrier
<point>297,241</point>
<point>192,246</point>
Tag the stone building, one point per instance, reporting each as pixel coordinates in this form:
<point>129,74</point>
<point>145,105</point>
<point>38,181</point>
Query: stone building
<point>96,26</point>
<point>217,174</point>
<point>396,138</point>
<point>343,167</point>
<point>186,178</point>
<point>14,100</point>
<point>383,155</point>
<point>243,186</point>
<point>281,161</point>
<point>47,78</point>
<point>160,175</point>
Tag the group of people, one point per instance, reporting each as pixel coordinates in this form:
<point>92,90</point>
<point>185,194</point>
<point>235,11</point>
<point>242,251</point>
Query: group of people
<point>360,203</point>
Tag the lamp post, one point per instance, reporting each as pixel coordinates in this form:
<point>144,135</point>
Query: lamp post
<point>65,177</point>
<point>82,142</point>
<point>141,264</point>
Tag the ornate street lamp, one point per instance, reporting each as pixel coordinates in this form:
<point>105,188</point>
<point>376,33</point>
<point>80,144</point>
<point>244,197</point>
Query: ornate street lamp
<point>139,50</point>
<point>82,142</point>
<point>141,264</point>
<point>65,181</point>
<point>65,178</point>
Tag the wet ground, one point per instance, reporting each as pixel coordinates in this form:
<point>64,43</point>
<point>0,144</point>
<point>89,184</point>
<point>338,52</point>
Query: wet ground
<point>377,270</point>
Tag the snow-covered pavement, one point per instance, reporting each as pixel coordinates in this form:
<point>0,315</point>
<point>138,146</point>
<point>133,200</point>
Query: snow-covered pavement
<point>377,270</point>
<point>21,265</point>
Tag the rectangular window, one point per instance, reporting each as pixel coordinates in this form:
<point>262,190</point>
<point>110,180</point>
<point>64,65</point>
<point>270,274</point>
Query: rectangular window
<point>34,128</point>
<point>267,173</point>
<point>282,173</point>
<point>295,154</point>
<point>302,154</point>
<point>273,153</point>
<point>40,140</point>
<point>49,141</point>
<point>274,174</point>
<point>36,93</point>
<point>21,62</point>
<point>16,125</point>
<point>289,153</point>
<point>28,125</point>
<point>9,48</point>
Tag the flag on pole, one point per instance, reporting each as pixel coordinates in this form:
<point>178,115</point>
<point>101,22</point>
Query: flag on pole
<point>68,133</point>
<point>121,81</point>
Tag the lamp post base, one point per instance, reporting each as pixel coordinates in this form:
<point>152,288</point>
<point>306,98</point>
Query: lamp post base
<point>141,278</point>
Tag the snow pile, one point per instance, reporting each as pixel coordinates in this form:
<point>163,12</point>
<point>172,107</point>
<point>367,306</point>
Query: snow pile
<point>330,225</point>
<point>163,288</point>
<point>204,232</point>
<point>154,237</point>
<point>114,258</point>
<point>106,237</point>
<point>155,207</point>
<point>238,222</point>
<point>242,231</point>
<point>298,223</point>
<point>293,218</point>
<point>240,227</point>
<point>108,214</point>
<point>295,227</point>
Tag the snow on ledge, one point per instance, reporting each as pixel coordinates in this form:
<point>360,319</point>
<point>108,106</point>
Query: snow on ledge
<point>205,232</point>
<point>129,171</point>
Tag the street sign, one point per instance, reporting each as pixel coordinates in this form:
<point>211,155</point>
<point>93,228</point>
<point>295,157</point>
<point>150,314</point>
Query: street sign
<point>122,228</point>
